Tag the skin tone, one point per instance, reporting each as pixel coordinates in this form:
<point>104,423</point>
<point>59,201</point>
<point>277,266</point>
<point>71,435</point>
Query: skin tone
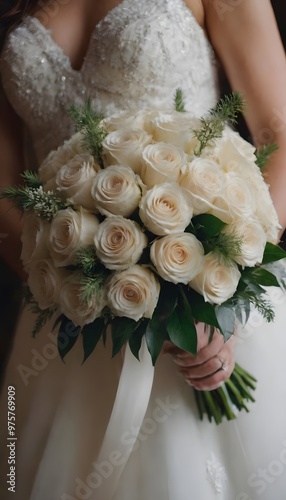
<point>255,65</point>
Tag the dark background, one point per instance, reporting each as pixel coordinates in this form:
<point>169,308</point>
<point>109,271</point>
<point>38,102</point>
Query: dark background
<point>9,284</point>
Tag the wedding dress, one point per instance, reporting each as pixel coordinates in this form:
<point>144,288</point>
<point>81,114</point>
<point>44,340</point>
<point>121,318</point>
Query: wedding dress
<point>112,429</point>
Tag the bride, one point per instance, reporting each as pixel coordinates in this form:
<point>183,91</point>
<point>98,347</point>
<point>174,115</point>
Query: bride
<point>111,428</point>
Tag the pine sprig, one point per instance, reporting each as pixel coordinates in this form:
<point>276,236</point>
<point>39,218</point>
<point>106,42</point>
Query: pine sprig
<point>212,126</point>
<point>264,153</point>
<point>179,101</point>
<point>263,306</point>
<point>42,203</point>
<point>31,179</point>
<point>87,260</point>
<point>88,122</point>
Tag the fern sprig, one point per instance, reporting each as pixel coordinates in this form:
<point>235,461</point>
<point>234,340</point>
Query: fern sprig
<point>91,286</point>
<point>263,154</point>
<point>42,203</point>
<point>87,260</point>
<point>88,122</point>
<point>179,101</point>
<point>212,126</point>
<point>31,179</point>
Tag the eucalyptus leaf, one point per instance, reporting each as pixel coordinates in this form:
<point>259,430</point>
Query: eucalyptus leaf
<point>91,334</point>
<point>226,320</point>
<point>67,336</point>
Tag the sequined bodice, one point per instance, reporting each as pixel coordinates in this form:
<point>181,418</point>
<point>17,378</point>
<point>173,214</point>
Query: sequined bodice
<point>138,55</point>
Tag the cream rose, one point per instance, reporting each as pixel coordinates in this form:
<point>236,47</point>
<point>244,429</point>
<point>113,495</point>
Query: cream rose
<point>72,304</point>
<point>34,240</point>
<point>70,231</point>
<point>253,240</point>
<point>177,257</point>
<point>56,159</point>
<point>237,199</point>
<point>117,190</point>
<point>75,179</point>
<point>133,293</point>
<point>216,281</point>
<point>125,146</point>
<point>165,209</point>
<point>125,119</point>
<point>265,210</point>
<point>119,243</point>
<point>45,282</point>
<point>161,163</point>
<point>203,180</point>
<point>174,127</point>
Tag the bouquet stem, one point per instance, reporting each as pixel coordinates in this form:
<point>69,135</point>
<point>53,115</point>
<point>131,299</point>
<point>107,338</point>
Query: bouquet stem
<point>229,399</point>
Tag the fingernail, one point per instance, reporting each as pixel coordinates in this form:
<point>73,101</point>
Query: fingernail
<point>188,382</point>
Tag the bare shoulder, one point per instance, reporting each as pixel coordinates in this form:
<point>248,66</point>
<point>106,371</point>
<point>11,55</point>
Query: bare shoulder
<point>197,8</point>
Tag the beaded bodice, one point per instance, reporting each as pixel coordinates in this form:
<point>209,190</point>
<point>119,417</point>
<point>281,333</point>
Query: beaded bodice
<point>138,55</point>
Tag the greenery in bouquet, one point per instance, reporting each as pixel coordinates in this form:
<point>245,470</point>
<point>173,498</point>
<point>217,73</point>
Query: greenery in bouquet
<point>147,223</point>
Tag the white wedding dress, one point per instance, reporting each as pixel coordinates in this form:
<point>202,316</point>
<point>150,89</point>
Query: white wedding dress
<point>111,429</point>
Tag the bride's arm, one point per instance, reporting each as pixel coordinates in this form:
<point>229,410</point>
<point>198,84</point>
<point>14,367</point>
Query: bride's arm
<point>245,36</point>
<point>11,139</point>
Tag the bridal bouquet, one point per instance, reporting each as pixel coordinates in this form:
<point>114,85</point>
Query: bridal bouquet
<point>147,223</point>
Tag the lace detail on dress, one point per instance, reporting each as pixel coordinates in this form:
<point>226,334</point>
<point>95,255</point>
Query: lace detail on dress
<point>138,55</point>
<point>216,473</point>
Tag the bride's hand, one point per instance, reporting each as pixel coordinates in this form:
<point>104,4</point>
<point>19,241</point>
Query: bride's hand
<point>213,363</point>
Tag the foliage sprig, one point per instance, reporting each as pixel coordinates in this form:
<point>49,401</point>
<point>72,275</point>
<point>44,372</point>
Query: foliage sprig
<point>88,122</point>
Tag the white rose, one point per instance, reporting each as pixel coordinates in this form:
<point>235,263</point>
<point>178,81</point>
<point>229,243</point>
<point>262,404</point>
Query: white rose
<point>177,257</point>
<point>174,127</point>
<point>70,231</point>
<point>165,209</point>
<point>34,240</point>
<point>133,293</point>
<point>232,152</point>
<point>125,146</point>
<point>216,281</point>
<point>125,119</point>
<point>72,304</point>
<point>253,240</point>
<point>74,180</point>
<point>56,159</point>
<point>203,180</point>
<point>161,163</point>
<point>237,199</point>
<point>117,190</point>
<point>45,282</point>
<point>119,243</point>
<point>265,210</point>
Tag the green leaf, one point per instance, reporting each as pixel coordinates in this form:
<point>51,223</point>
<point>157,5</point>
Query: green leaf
<point>67,336</point>
<point>58,321</point>
<point>135,340</point>
<point>122,329</point>
<point>181,327</point>
<point>155,336</point>
<point>272,253</point>
<point>264,277</point>
<point>226,320</point>
<point>208,224</point>
<point>202,311</point>
<point>91,334</point>
<point>167,302</point>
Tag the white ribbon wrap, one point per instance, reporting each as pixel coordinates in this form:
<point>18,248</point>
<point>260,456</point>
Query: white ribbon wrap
<point>130,405</point>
